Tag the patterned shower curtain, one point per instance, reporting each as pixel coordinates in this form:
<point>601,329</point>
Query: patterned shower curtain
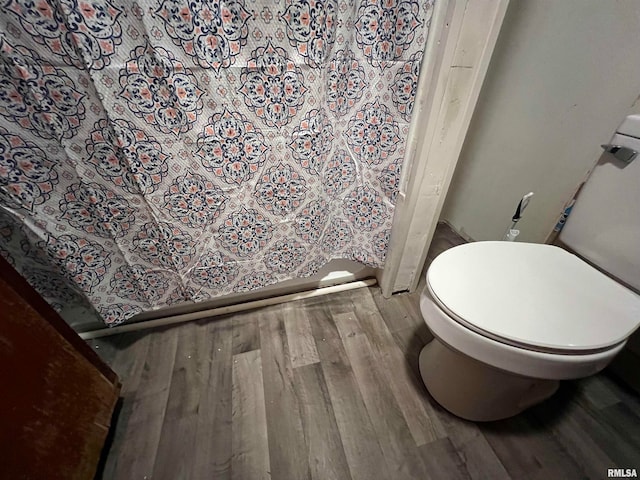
<point>164,151</point>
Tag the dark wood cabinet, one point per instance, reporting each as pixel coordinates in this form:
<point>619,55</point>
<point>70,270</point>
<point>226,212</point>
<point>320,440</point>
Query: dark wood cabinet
<point>57,395</point>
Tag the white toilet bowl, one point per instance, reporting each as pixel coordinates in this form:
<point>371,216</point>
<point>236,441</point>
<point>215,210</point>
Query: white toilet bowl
<point>512,319</point>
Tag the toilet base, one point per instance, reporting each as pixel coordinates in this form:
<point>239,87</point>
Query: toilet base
<point>475,391</point>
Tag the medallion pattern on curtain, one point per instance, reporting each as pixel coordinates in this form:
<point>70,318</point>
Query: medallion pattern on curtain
<point>163,151</point>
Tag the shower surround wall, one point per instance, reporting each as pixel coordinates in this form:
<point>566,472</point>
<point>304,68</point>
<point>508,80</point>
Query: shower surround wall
<point>155,153</point>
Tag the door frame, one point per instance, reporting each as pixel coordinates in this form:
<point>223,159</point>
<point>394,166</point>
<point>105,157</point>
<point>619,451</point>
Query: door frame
<point>462,38</point>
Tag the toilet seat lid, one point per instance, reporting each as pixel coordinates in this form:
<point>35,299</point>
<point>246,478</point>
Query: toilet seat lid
<point>533,295</point>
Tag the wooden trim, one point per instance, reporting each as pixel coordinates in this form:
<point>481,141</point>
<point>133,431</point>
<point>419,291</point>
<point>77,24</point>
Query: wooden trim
<point>226,309</point>
<point>461,42</point>
<point>22,288</point>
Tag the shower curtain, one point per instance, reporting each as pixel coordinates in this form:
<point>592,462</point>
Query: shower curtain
<point>163,151</point>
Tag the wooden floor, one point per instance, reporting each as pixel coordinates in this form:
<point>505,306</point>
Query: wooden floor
<point>328,388</point>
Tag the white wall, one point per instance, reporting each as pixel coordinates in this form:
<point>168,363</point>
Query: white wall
<point>564,74</point>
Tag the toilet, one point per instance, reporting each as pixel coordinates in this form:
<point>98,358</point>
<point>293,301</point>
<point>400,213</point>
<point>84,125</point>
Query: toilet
<point>511,319</point>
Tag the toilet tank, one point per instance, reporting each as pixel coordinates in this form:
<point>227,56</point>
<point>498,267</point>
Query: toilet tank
<point>604,225</point>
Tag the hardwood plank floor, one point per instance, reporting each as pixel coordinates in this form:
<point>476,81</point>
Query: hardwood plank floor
<point>148,408</point>
<point>249,442</point>
<point>212,450</point>
<point>393,434</point>
<point>325,453</point>
<point>359,440</point>
<point>286,441</point>
<point>299,337</point>
<point>329,388</point>
<point>178,436</point>
<point>246,335</point>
